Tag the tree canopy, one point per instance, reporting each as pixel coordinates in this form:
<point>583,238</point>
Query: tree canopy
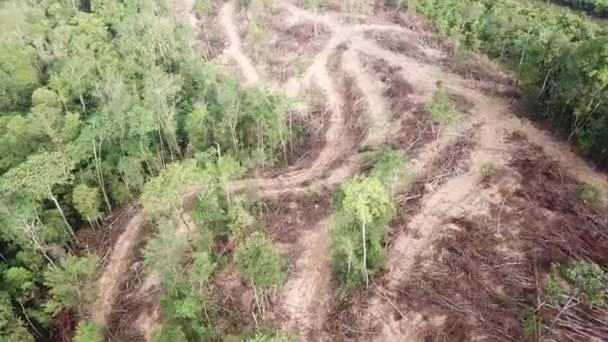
<point>560,57</point>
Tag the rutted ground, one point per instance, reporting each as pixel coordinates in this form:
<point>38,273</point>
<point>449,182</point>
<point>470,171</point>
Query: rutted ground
<point>307,296</point>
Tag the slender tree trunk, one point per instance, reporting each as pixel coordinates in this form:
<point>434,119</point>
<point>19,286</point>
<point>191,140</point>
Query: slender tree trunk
<point>542,90</point>
<point>65,220</point>
<point>27,318</point>
<point>521,61</point>
<point>180,214</point>
<point>291,133</point>
<point>206,38</point>
<point>257,300</point>
<point>141,148</point>
<point>364,253</point>
<point>578,127</point>
<point>100,174</point>
<point>233,135</point>
<point>84,107</point>
<point>37,244</point>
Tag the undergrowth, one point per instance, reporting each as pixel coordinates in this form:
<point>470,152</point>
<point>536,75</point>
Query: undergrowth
<point>187,263</point>
<point>363,208</point>
<point>591,195</point>
<point>488,169</point>
<point>580,279</point>
<point>442,108</point>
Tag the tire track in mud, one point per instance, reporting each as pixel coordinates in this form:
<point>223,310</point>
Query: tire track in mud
<point>234,48</point>
<point>379,114</point>
<point>114,271</point>
<point>306,293</point>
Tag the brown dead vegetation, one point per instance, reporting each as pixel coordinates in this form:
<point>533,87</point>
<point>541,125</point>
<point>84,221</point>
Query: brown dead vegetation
<point>99,240</point>
<point>498,262</point>
<point>397,90</point>
<point>292,48</point>
<point>287,217</point>
<point>283,49</point>
<point>211,40</point>
<point>234,301</point>
<point>132,300</point>
<point>354,107</point>
<point>308,130</point>
<point>394,42</point>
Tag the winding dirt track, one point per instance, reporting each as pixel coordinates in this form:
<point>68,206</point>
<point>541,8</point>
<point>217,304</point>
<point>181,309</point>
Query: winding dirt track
<point>306,295</point>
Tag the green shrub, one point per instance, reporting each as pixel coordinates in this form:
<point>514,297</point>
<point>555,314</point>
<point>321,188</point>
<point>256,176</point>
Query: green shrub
<point>87,201</point>
<point>391,170</point>
<point>72,284</point>
<point>201,7</point>
<point>170,333</point>
<point>88,331</point>
<point>554,289</point>
<point>533,324</point>
<point>590,279</point>
<point>258,262</point>
<point>590,194</point>
<point>488,169</point>
<point>442,108</point>
<point>363,209</point>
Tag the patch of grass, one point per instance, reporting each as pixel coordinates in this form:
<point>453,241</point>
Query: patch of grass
<point>201,7</point>
<point>581,279</point>
<point>533,324</point>
<point>554,289</point>
<point>392,170</point>
<point>488,169</point>
<point>397,4</point>
<point>590,194</point>
<point>590,279</point>
<point>314,4</point>
<point>442,108</point>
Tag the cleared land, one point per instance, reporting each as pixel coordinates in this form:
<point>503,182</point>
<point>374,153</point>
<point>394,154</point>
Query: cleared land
<point>470,250</point>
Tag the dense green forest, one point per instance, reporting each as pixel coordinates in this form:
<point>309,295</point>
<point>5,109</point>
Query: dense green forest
<point>96,98</point>
<point>561,59</point>
<point>104,105</point>
<point>593,7</point>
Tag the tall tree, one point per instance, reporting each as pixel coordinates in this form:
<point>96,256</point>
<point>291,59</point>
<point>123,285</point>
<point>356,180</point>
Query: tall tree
<point>72,285</point>
<point>364,210</point>
<point>36,177</point>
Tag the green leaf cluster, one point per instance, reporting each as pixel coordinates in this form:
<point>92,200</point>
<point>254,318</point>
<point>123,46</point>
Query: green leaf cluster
<point>71,285</point>
<point>88,331</point>
<point>259,263</point>
<point>363,209</point>
<point>580,279</point>
<point>442,108</point>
